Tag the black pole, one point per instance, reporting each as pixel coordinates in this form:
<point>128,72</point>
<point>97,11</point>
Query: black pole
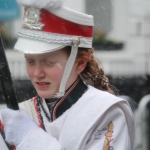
<point>6,80</point>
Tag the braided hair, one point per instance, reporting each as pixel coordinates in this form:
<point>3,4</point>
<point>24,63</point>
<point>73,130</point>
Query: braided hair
<point>93,74</point>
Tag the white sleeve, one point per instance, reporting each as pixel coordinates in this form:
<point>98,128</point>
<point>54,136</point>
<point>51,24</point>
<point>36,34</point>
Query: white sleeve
<point>111,132</point>
<point>38,139</point>
<point>3,145</point>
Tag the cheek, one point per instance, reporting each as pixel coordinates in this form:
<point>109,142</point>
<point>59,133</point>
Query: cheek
<point>56,73</point>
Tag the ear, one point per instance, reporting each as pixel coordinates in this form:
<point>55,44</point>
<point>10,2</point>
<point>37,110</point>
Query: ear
<point>80,65</point>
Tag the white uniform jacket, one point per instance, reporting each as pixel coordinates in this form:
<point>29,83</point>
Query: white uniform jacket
<point>97,121</point>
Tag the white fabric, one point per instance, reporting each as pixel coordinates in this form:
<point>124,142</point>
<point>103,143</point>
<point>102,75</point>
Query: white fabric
<point>2,144</point>
<point>17,125</point>
<point>41,137</point>
<point>76,132</point>
<point>94,140</point>
<point>85,125</point>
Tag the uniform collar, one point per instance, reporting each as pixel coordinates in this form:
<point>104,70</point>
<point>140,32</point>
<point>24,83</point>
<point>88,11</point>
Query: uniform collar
<point>71,97</point>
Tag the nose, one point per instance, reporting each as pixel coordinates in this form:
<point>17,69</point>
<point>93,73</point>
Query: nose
<point>38,71</point>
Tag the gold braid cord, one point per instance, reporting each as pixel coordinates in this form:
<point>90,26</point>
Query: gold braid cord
<point>108,137</point>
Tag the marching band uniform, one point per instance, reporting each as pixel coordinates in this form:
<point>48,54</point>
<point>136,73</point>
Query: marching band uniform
<point>83,117</point>
<point>92,120</point>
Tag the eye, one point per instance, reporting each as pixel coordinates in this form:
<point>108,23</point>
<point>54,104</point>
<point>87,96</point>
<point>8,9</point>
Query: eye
<point>30,62</point>
<point>48,63</point>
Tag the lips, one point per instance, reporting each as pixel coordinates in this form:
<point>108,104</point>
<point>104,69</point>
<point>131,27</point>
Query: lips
<point>42,84</point>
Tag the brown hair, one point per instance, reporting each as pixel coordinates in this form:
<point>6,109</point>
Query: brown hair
<point>93,74</point>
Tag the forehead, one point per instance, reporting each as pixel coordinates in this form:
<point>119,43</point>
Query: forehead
<point>50,55</point>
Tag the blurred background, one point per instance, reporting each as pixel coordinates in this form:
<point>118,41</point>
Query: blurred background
<point>121,40</point>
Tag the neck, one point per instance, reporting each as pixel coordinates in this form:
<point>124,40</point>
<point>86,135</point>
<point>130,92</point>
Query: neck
<point>49,100</point>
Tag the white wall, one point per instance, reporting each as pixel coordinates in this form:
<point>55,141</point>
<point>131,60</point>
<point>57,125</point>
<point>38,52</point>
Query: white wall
<point>119,24</point>
<point>139,23</point>
<point>16,24</point>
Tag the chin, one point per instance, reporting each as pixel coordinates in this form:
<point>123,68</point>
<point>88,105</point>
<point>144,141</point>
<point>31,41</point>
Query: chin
<point>45,95</point>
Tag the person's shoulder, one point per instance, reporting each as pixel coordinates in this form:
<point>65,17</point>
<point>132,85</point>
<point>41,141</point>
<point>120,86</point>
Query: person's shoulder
<point>99,94</point>
<point>103,98</point>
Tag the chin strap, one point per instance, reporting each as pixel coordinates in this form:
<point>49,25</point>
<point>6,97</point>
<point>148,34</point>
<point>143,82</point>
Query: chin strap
<point>66,73</point>
<point>68,67</point>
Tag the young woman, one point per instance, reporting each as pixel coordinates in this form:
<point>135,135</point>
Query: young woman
<point>75,108</point>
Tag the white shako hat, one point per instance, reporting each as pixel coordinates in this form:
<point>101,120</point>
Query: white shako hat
<point>48,26</point>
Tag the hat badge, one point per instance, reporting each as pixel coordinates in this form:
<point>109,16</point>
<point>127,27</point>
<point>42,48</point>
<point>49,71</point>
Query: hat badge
<point>75,41</point>
<point>32,19</point>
